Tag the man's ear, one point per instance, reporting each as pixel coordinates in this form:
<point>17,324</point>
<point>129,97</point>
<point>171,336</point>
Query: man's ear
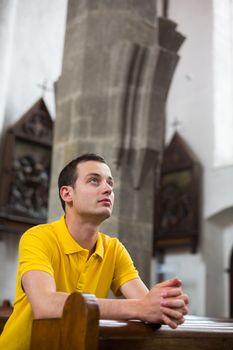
<point>66,194</point>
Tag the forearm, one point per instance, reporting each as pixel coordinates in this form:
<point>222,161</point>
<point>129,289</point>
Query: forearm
<point>51,307</point>
<point>41,292</point>
<point>119,309</point>
<point>164,303</point>
<point>122,309</point>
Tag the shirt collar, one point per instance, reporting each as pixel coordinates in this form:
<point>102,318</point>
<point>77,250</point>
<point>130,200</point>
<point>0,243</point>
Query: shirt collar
<point>99,250</point>
<point>70,246</point>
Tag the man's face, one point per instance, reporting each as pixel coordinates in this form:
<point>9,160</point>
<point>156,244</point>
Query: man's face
<point>92,195</point>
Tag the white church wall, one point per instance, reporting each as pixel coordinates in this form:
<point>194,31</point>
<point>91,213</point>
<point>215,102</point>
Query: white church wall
<point>192,272</point>
<point>191,96</point>
<point>192,100</point>
<point>36,55</point>
<point>198,101</point>
<point>223,86</point>
<point>218,254</point>
<point>7,20</point>
<point>217,247</point>
<point>219,191</point>
<point>213,251</point>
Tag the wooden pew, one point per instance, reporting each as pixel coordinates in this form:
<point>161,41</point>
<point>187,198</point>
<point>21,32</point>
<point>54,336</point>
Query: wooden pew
<point>5,311</point>
<point>3,320</point>
<point>80,329</point>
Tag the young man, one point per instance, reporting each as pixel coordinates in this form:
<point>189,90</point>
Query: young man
<point>71,255</point>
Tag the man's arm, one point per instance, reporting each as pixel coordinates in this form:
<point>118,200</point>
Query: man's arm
<point>40,289</point>
<point>46,302</point>
<point>164,303</point>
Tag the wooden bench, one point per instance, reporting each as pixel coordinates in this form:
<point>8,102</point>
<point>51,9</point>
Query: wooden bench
<point>80,329</point>
<point>5,311</point>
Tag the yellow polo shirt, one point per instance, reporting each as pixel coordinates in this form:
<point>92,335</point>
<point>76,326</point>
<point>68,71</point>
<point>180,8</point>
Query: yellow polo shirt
<point>51,248</point>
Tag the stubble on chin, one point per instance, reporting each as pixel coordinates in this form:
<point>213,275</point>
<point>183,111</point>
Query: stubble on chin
<point>105,215</point>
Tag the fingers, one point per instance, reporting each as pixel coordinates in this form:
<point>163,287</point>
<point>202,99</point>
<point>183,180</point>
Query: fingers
<point>175,293</point>
<point>177,304</point>
<point>185,310</point>
<point>171,293</point>
<point>172,318</point>
<point>181,321</point>
<point>173,303</point>
<point>172,313</point>
<point>171,322</point>
<point>173,282</point>
<point>168,298</point>
<point>185,298</point>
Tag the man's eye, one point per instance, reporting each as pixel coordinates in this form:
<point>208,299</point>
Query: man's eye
<point>94,180</point>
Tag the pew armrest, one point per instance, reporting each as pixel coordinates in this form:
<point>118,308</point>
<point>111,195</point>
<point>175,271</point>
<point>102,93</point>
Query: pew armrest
<point>76,329</point>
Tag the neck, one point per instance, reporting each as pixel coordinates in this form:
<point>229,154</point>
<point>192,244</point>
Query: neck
<point>83,231</point>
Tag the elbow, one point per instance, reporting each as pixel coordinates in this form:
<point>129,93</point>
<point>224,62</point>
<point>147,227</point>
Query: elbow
<point>51,307</point>
<point>39,312</point>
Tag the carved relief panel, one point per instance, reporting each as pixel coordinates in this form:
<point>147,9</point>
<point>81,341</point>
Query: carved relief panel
<point>26,170</point>
<point>178,199</point>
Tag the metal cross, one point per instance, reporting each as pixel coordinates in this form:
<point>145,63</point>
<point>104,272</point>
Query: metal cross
<point>44,87</point>
<point>176,124</point>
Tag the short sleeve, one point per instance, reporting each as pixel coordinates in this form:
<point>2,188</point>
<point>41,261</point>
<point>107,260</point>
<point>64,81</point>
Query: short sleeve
<point>124,269</point>
<point>35,253</point>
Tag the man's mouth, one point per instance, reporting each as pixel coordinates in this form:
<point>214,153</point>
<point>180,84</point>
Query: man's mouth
<point>106,201</point>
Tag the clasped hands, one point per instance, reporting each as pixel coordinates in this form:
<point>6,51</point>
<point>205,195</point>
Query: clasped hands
<point>165,303</point>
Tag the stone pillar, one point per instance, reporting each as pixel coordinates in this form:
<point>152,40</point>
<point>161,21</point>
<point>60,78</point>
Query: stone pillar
<point>109,101</point>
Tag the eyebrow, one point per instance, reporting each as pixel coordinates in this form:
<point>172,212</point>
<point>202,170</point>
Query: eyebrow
<point>98,175</point>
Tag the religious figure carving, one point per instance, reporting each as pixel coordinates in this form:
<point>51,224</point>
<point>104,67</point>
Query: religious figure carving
<point>38,126</point>
<point>176,205</point>
<point>29,192</point>
<point>178,198</point>
<point>25,170</point>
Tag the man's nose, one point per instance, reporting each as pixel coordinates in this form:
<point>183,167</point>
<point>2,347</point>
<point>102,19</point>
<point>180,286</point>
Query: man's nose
<point>107,188</point>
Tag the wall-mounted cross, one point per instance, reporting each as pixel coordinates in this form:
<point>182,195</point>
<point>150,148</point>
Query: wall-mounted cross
<point>176,124</point>
<point>44,87</point>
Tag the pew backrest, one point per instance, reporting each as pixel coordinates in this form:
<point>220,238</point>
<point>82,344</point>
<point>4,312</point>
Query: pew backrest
<point>76,329</point>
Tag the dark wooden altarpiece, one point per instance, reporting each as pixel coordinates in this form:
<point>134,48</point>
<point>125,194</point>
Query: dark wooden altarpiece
<point>26,171</point>
<point>178,199</point>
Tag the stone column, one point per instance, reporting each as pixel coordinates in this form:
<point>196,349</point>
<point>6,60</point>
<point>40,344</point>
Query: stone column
<point>109,102</point>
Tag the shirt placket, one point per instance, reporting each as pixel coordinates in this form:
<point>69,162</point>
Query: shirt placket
<point>83,261</point>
